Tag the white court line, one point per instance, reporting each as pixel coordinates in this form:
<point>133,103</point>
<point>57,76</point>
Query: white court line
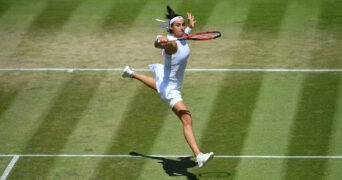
<point>191,70</point>
<point>168,156</point>
<point>9,167</point>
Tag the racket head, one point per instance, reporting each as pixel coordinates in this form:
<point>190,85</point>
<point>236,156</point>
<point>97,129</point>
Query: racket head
<point>205,35</point>
<point>200,36</point>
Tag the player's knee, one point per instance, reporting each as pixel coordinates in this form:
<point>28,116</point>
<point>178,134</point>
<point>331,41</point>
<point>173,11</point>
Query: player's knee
<point>187,121</point>
<point>185,117</point>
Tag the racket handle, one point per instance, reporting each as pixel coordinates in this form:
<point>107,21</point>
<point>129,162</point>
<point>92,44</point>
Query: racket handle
<point>172,38</point>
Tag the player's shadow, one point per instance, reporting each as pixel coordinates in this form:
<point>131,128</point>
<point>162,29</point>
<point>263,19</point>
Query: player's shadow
<point>173,167</point>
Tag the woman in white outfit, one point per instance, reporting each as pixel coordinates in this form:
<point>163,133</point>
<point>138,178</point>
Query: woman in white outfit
<point>169,77</point>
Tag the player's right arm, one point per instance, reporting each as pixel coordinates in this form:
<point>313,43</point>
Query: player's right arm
<point>163,43</point>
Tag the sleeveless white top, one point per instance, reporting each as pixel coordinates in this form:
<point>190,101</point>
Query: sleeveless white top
<point>169,77</point>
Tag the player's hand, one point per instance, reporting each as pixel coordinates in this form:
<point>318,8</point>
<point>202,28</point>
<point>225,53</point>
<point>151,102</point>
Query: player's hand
<point>163,42</point>
<point>163,39</point>
<point>191,20</point>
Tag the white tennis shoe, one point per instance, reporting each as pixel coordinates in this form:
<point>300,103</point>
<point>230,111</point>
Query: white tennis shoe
<point>127,72</point>
<point>203,158</point>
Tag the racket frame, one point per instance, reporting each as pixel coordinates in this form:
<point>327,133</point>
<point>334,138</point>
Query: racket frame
<point>191,36</point>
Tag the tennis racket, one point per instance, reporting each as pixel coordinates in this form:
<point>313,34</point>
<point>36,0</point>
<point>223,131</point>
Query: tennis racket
<point>200,36</point>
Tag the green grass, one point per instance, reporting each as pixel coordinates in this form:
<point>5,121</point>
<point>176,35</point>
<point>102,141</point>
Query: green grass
<point>235,113</point>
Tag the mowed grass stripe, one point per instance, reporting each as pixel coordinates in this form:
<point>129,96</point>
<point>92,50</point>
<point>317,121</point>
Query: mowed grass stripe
<point>276,107</point>
<point>230,117</point>
<point>265,18</point>
<point>122,15</point>
<point>42,32</point>
<point>331,24</point>
<point>332,170</point>
<point>68,107</point>
<point>270,124</point>
<point>236,101</point>
<point>9,91</point>
<point>120,34</point>
<point>58,124</point>
<point>4,6</point>
<point>142,122</point>
<point>13,26</point>
<point>260,34</point>
<point>219,53</point>
<point>203,105</point>
<point>24,114</point>
<point>88,18</point>
<point>53,17</point>
<point>75,43</point>
<point>330,28</point>
<point>297,40</point>
<point>95,129</point>
<point>313,129</point>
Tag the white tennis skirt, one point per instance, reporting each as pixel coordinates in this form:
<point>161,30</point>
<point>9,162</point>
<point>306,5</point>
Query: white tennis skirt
<point>167,89</point>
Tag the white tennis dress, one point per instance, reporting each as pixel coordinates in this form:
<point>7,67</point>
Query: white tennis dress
<point>169,77</point>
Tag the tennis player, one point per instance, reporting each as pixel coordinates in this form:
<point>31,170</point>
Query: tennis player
<point>169,77</point>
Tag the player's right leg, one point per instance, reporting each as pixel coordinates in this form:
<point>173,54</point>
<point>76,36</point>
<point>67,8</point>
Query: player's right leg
<point>147,80</point>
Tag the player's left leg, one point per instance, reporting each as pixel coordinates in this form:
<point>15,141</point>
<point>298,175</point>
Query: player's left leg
<point>184,115</point>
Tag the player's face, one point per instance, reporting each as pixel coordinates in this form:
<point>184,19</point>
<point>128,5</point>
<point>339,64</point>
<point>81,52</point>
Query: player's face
<point>178,28</point>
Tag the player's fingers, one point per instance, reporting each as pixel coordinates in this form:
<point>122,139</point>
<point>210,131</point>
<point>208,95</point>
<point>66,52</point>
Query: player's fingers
<point>190,16</point>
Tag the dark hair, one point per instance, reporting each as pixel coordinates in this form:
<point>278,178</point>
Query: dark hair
<point>171,14</point>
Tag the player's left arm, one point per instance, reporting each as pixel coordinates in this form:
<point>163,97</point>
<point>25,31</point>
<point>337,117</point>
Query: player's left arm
<point>191,23</point>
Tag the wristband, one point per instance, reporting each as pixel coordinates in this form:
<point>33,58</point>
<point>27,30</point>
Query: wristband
<point>187,30</point>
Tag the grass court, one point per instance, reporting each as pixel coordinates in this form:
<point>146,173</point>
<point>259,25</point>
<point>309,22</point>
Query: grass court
<point>266,97</point>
